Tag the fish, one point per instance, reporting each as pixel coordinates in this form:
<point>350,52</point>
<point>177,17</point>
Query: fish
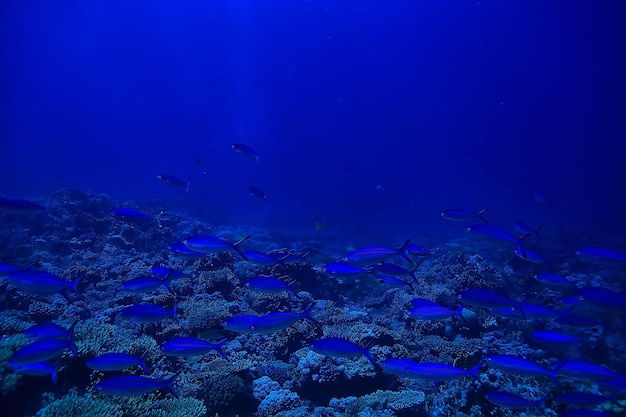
<point>190,346</point>
<point>129,385</point>
<point>164,272</point>
<point>147,283</point>
<point>372,254</point>
<point>526,229</point>
<point>576,320</point>
<point>37,282</point>
<point>180,248</point>
<point>601,254</point>
<point>265,259</point>
<point>210,244</point>
<point>554,338</point>
<point>584,370</point>
<point>257,193</point>
<point>18,204</point>
<point>49,331</point>
<point>6,268</point>
<point>345,269</point>
<point>424,309</point>
<point>274,322</point>
<point>175,181</point>
<point>342,348</point>
<point>115,361</point>
<point>519,366</point>
<point>269,285</point>
<point>581,399</point>
<point>491,232</point>
<point>543,197</point>
<point>34,369</point>
<point>43,350</point>
<point>147,313</point>
<point>603,300</point>
<point>129,213</point>
<point>394,270</point>
<point>554,280</point>
<point>539,311</point>
<point>240,324</point>
<point>512,401</point>
<point>487,299</point>
<point>528,255</point>
<point>462,214</point>
<point>437,372</point>
<point>246,151</point>
<point>394,281</point>
<point>415,250</point>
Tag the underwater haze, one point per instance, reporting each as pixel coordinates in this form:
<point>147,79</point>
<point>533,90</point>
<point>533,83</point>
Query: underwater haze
<point>312,207</point>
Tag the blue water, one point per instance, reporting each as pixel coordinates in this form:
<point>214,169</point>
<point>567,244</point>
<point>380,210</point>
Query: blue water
<point>369,119</point>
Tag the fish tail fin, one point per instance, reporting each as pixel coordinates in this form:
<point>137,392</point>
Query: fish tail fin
<point>367,354</point>
<point>218,348</point>
<point>187,187</point>
<point>167,384</point>
<point>75,284</point>
<point>459,312</point>
<point>168,287</point>
<point>401,251</point>
<point>475,371</point>
<point>307,314</point>
<point>480,214</point>
<point>142,363</point>
<point>236,246</point>
<point>53,375</point>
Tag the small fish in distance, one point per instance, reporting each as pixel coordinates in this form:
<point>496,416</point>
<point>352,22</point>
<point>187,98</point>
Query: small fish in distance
<point>175,181</point>
<point>462,214</point>
<point>246,151</point>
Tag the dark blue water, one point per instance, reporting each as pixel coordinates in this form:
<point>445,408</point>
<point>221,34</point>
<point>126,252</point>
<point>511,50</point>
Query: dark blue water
<point>470,104</point>
<point>369,118</point>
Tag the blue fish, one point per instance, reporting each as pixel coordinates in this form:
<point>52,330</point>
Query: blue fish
<point>581,399</point>
<point>240,324</point>
<point>246,151</point>
<point>394,270</point>
<point>18,204</point>
<point>162,271</point>
<point>585,370</point>
<point>415,250</point>
<point>257,193</point>
<point>342,348</point>
<point>274,322</point>
<point>180,247</point>
<point>554,280</point>
<point>554,338</point>
<point>462,214</point>
<point>175,181</point>
<point>519,366</point>
<point>525,229</point>
<point>603,300</point>
<point>487,299</point>
<point>541,197</point>
<point>190,346</point>
<point>42,350</point>
<point>424,309</point>
<point>49,331</point>
<point>270,285</point>
<point>346,269</point>
<point>129,385</point>
<point>528,255</point>
<point>601,254</point>
<point>147,283</point>
<point>34,369</point>
<point>210,244</point>
<point>147,313</point>
<point>437,372</point>
<point>128,213</point>
<point>512,401</point>
<point>261,258</point>
<point>116,362</point>
<point>43,283</point>
<point>488,231</point>
<point>394,281</point>
<point>373,254</point>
